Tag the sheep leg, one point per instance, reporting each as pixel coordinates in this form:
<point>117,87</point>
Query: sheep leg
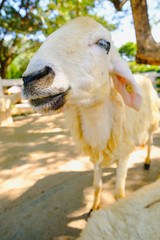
<point>97,183</point>
<point>121,174</point>
<point>147,160</point>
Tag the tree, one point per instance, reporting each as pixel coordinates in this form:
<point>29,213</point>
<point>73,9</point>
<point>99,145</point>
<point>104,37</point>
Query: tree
<point>128,51</point>
<point>60,11</point>
<point>148,50</point>
<point>19,20</point>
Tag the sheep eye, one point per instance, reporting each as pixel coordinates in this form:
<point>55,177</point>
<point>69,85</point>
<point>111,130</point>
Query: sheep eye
<point>104,44</point>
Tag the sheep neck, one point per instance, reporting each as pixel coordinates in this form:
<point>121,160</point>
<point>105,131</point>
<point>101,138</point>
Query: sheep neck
<point>98,129</point>
<point>96,124</point>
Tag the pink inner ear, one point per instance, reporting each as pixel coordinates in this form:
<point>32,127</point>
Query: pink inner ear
<point>129,91</point>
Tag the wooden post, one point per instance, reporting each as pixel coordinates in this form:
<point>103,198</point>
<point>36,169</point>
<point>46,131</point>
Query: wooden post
<point>1,88</point>
<point>5,108</point>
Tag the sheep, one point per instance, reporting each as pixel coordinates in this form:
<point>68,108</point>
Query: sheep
<point>134,217</point>
<point>78,70</point>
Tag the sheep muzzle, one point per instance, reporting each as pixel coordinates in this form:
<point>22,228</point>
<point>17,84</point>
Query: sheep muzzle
<point>50,103</point>
<point>38,89</point>
<point>44,76</point>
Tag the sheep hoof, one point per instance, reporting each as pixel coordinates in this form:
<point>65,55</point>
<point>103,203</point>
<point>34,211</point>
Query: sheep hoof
<point>89,214</point>
<point>146,166</point>
<point>93,209</point>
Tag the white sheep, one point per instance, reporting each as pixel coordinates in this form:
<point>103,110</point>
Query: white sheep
<point>136,217</point>
<point>77,69</point>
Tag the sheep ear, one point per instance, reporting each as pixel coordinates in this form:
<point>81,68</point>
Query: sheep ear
<point>124,81</point>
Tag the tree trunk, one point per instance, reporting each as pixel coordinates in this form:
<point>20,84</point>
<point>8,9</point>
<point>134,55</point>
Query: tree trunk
<point>5,63</point>
<point>3,68</point>
<point>118,4</point>
<point>148,50</point>
<point>2,3</point>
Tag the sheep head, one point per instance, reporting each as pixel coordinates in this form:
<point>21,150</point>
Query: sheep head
<point>76,61</point>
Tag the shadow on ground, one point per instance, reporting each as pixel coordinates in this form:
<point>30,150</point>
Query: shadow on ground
<point>46,185</point>
<point>46,210</point>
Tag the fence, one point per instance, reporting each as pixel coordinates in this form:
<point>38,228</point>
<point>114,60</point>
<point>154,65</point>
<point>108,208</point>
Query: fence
<point>6,101</point>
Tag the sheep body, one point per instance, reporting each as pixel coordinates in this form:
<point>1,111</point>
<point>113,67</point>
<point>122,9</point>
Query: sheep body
<point>111,127</point>
<point>147,118</point>
<point>93,87</point>
<point>134,217</point>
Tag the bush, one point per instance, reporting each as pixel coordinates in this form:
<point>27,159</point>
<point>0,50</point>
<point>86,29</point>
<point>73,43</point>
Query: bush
<point>18,66</point>
<point>142,67</point>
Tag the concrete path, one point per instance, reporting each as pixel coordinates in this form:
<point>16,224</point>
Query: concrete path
<point>46,184</point>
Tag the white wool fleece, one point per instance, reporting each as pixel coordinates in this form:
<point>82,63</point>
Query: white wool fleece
<point>107,110</point>
<point>132,218</point>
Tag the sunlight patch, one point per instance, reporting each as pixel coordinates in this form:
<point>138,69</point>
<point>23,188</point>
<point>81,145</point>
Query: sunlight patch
<point>78,224</point>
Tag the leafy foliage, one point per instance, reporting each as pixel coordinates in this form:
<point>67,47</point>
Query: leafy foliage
<point>128,51</point>
<point>143,67</point>
<point>18,65</point>
<point>59,12</point>
<point>22,22</point>
<point>19,20</point>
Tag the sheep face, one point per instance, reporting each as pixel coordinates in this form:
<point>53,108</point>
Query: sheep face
<point>70,62</point>
<point>73,65</point>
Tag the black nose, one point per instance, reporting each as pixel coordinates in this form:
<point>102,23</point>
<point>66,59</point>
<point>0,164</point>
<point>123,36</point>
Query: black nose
<point>37,75</point>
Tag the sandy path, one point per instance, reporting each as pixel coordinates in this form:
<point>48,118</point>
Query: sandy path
<point>46,184</point>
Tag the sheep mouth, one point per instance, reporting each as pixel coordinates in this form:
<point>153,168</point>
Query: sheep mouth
<point>50,103</point>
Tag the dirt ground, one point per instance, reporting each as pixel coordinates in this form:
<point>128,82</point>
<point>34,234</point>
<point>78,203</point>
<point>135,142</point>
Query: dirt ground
<point>46,184</point>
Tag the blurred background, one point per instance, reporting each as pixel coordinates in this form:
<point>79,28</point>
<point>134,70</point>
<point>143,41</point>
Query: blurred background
<point>45,182</point>
<point>25,24</point>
